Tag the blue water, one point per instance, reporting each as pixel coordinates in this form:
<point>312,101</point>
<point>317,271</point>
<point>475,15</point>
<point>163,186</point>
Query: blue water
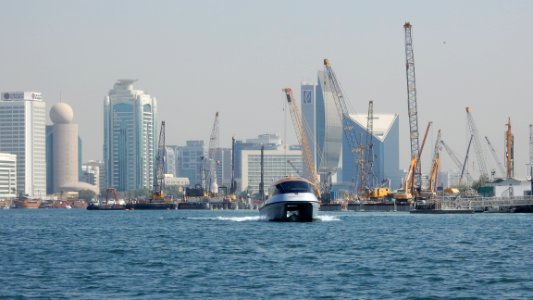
<point>65,254</point>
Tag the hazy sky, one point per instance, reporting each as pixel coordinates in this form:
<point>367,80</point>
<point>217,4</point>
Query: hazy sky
<point>199,57</point>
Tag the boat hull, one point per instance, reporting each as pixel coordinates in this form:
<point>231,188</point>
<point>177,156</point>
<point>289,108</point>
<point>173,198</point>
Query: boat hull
<point>297,211</point>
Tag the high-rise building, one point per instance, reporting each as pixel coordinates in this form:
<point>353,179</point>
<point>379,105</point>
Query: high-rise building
<point>129,137</point>
<point>278,163</point>
<point>171,160</point>
<point>190,161</point>
<point>268,141</point>
<point>308,106</point>
<point>329,134</point>
<point>8,175</point>
<point>92,173</point>
<point>22,132</point>
<point>65,146</point>
<point>386,147</point>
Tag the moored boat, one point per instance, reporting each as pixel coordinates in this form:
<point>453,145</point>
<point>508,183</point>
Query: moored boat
<point>27,203</point>
<point>292,199</point>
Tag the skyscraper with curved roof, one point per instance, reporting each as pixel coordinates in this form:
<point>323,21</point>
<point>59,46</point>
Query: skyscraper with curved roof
<point>130,133</point>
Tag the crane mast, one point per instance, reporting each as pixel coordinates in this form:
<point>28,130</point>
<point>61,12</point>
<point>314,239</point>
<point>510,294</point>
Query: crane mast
<point>157,192</point>
<point>478,148</point>
<point>433,177</point>
<point>342,109</point>
<point>466,159</point>
<point>455,159</point>
<point>302,139</point>
<point>370,145</point>
<point>509,150</point>
<point>411,100</point>
<point>495,156</point>
<point>210,168</point>
<point>531,151</point>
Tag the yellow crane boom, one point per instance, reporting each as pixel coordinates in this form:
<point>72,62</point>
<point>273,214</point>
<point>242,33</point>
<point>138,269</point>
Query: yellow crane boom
<point>302,139</point>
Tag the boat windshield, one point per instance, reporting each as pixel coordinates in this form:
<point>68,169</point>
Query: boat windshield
<point>293,187</point>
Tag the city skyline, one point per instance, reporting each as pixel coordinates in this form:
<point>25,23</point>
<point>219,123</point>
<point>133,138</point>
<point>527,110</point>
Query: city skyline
<point>236,57</point>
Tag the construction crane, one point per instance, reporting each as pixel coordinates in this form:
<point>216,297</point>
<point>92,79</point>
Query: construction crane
<point>509,151</point>
<point>211,163</point>
<point>294,167</point>
<point>302,139</point>
<point>411,100</point>
<point>370,146</point>
<point>434,174</point>
<point>455,159</point>
<point>466,159</point>
<point>342,109</point>
<point>478,147</point>
<point>495,156</point>
<point>531,152</point>
<point>410,190</point>
<point>157,193</point>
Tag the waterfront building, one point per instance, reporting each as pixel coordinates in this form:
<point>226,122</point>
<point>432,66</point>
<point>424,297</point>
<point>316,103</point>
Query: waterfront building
<point>22,132</point>
<point>309,109</point>
<point>268,141</point>
<point>386,147</point>
<point>279,162</point>
<point>92,173</point>
<point>190,160</point>
<point>8,175</point>
<point>171,160</point>
<point>129,137</point>
<point>222,157</point>
<point>329,135</point>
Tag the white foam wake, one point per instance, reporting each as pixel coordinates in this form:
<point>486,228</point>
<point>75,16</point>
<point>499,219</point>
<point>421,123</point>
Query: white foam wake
<point>240,219</point>
<point>326,218</point>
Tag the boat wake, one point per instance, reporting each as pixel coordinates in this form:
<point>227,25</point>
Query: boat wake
<point>326,218</point>
<point>230,219</point>
<point>240,219</point>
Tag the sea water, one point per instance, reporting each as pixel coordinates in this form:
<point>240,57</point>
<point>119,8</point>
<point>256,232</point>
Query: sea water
<point>179,254</point>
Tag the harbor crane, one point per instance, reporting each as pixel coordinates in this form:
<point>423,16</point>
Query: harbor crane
<point>411,100</point>
<point>509,150</point>
<point>157,193</point>
<point>211,163</point>
<point>342,109</point>
<point>302,139</point>
<point>466,159</point>
<point>434,174</point>
<point>455,159</point>
<point>531,152</point>
<point>370,146</point>
<point>478,147</point>
<point>495,156</point>
<point>410,190</point>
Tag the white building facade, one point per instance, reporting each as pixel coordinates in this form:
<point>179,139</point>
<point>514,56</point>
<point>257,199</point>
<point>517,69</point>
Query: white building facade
<point>22,132</point>
<point>130,134</point>
<point>8,175</point>
<point>278,163</point>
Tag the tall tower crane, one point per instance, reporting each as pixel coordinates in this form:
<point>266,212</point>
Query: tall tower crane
<point>495,156</point>
<point>157,192</point>
<point>509,150</point>
<point>455,159</point>
<point>211,164</point>
<point>342,109</point>
<point>302,139</point>
<point>433,177</point>
<point>531,151</point>
<point>370,145</point>
<point>411,100</point>
<point>478,147</point>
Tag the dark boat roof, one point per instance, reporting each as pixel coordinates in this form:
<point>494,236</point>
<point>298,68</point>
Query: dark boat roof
<point>286,179</point>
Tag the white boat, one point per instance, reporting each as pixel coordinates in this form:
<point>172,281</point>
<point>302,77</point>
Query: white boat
<point>292,199</point>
